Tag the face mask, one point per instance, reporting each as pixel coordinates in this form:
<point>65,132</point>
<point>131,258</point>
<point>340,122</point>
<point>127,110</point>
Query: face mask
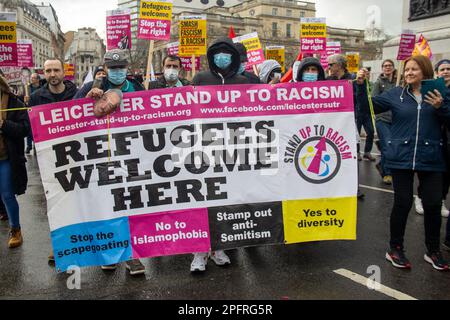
<point>171,75</point>
<point>242,67</point>
<point>310,77</point>
<point>117,76</point>
<point>222,60</point>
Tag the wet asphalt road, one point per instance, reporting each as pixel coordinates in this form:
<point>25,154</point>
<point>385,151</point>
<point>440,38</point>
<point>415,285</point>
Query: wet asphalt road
<point>295,272</point>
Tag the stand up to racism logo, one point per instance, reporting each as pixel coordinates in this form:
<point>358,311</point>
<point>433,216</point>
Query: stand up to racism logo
<point>317,153</point>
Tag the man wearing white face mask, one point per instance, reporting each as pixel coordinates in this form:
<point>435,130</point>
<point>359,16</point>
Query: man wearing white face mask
<point>171,78</point>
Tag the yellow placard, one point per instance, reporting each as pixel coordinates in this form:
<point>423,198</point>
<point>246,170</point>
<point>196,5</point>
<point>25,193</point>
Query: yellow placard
<point>313,30</point>
<point>156,10</point>
<point>353,62</point>
<point>278,55</point>
<point>320,220</point>
<point>192,35</point>
<point>8,32</point>
<point>252,44</point>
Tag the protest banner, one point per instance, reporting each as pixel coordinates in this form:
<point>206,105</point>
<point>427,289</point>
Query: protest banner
<point>25,53</point>
<point>172,49</point>
<point>13,75</point>
<point>333,47</point>
<point>423,48</point>
<point>313,35</point>
<point>69,71</point>
<point>176,171</point>
<point>8,39</point>
<point>353,61</point>
<point>255,53</point>
<point>118,29</point>
<point>407,45</point>
<point>277,53</point>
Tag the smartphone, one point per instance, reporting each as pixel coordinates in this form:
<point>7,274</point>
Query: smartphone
<point>433,84</point>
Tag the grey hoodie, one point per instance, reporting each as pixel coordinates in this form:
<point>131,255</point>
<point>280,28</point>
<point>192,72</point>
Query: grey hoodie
<point>266,68</point>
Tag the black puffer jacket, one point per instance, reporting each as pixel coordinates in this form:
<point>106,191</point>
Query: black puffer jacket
<point>14,129</point>
<point>216,76</point>
<point>44,96</point>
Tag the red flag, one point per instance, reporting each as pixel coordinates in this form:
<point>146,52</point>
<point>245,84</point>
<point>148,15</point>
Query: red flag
<point>289,76</point>
<point>231,33</point>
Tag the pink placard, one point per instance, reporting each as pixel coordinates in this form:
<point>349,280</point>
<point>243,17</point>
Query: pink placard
<point>25,53</point>
<point>332,48</point>
<point>255,57</point>
<point>170,233</point>
<point>406,48</point>
<point>186,62</point>
<point>8,55</point>
<point>151,29</point>
<point>118,31</point>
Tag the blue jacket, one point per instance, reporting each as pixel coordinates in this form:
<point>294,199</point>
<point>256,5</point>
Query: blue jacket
<point>416,139</point>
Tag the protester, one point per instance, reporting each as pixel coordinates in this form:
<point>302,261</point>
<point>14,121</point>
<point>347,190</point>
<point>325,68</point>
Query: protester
<point>252,78</point>
<point>14,127</point>
<point>35,84</point>
<point>269,72</point>
<point>116,66</point>
<point>55,90</point>
<point>99,73</point>
<point>415,147</point>
<point>224,62</point>
<point>172,67</point>
<point>386,81</point>
<point>442,70</point>
<point>309,70</point>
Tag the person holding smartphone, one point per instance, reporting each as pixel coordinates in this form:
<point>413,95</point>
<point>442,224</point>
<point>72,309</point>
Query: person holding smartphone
<point>270,72</point>
<point>415,147</point>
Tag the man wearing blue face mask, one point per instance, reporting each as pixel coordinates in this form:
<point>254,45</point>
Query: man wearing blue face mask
<point>171,77</point>
<point>224,63</point>
<point>116,67</point>
<point>252,78</point>
<point>310,70</point>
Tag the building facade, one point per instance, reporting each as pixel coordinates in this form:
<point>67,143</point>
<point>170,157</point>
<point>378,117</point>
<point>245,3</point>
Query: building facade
<point>57,36</point>
<point>31,24</point>
<point>86,51</point>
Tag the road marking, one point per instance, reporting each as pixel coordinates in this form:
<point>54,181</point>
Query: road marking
<point>376,189</point>
<point>379,287</point>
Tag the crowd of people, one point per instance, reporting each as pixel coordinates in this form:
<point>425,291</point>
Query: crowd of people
<point>412,130</point>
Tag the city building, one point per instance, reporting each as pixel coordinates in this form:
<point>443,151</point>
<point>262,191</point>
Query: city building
<point>31,24</point>
<point>85,50</point>
<point>57,36</point>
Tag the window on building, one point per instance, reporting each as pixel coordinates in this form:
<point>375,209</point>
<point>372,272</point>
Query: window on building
<point>274,11</point>
<point>274,29</point>
<point>289,13</point>
<point>302,14</point>
<point>289,30</point>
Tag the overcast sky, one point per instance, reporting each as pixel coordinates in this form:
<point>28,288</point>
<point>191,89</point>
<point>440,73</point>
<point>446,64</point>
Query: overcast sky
<point>339,13</point>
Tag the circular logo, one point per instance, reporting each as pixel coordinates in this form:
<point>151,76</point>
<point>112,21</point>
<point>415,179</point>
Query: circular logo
<point>318,160</point>
<point>116,57</point>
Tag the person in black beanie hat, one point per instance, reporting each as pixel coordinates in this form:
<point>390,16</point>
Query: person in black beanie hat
<point>99,73</point>
<point>253,79</point>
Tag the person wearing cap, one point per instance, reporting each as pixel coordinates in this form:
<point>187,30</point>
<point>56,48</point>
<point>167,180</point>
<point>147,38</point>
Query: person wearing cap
<point>172,67</point>
<point>252,78</point>
<point>269,72</point>
<point>116,67</point>
<point>108,94</point>
<point>14,127</point>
